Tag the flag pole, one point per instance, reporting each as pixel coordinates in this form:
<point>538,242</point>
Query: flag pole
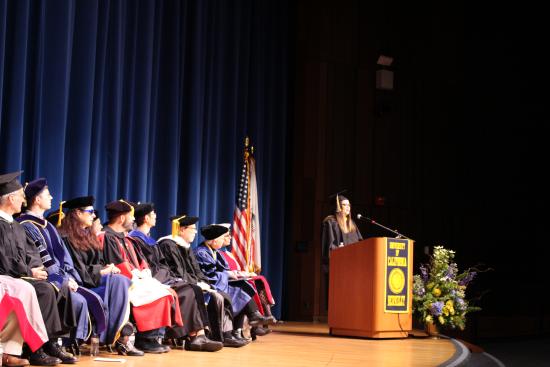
<point>248,214</point>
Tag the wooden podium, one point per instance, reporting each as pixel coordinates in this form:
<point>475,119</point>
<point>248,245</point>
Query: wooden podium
<point>370,288</point>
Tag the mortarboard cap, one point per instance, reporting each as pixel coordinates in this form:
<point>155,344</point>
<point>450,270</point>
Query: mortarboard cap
<point>35,187</point>
<point>184,220</point>
<point>339,198</point>
<point>181,221</point>
<point>9,183</point>
<point>143,209</point>
<point>119,206</point>
<point>79,202</point>
<point>213,231</point>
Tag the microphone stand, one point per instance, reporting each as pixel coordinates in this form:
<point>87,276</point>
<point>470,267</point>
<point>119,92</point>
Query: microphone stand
<point>397,234</point>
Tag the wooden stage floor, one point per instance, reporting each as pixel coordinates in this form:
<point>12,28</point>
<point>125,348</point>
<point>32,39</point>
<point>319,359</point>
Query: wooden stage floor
<point>303,344</point>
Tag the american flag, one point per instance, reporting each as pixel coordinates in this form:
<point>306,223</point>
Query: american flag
<point>246,218</point>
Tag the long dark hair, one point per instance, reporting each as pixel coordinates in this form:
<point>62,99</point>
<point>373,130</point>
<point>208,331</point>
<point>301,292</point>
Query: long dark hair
<point>80,238</point>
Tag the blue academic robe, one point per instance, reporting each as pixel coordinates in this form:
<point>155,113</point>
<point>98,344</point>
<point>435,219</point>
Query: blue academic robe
<point>112,288</point>
<point>60,268</point>
<point>214,266</point>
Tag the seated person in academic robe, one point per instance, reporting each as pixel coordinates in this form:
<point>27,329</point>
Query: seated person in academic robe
<point>174,256</point>
<point>339,229</point>
<point>147,295</point>
<point>19,258</point>
<point>263,297</point>
<point>192,302</point>
<point>20,321</point>
<point>59,265</point>
<point>94,274</point>
<point>214,266</point>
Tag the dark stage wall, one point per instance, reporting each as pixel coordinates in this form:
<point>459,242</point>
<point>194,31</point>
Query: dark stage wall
<point>455,149</point>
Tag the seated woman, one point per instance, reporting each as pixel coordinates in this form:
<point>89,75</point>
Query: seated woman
<point>263,297</point>
<point>214,266</point>
<point>99,277</point>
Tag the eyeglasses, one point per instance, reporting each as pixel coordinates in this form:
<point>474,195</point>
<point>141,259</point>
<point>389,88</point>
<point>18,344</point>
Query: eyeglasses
<point>89,211</point>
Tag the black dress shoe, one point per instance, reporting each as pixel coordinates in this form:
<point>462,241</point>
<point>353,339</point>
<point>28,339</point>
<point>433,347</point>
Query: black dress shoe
<point>54,350</point>
<point>238,334</point>
<point>260,331</point>
<point>256,318</point>
<point>150,346</point>
<point>39,358</point>
<point>128,349</point>
<point>231,342</point>
<point>200,343</point>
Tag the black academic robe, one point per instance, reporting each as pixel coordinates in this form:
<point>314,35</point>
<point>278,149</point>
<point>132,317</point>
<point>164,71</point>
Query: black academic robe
<point>112,288</point>
<point>190,297</point>
<point>182,261</point>
<point>184,265</point>
<point>332,236</point>
<point>18,255</point>
<point>88,264</point>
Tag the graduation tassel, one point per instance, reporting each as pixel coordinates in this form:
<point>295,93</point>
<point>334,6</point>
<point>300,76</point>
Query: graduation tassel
<point>60,214</point>
<point>176,226</point>
<point>131,207</point>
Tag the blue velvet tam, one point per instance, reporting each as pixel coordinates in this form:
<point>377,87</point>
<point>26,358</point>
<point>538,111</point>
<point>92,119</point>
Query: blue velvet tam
<point>213,231</point>
<point>35,187</point>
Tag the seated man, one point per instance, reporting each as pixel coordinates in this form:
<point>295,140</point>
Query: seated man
<point>194,314</point>
<point>147,295</point>
<point>59,264</point>
<point>263,298</point>
<point>176,256</point>
<point>21,320</point>
<point>223,279</point>
<point>19,258</point>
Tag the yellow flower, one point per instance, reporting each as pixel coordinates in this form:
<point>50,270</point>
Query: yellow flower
<point>449,305</point>
<point>441,320</point>
<point>436,292</point>
<point>445,311</point>
<point>429,319</point>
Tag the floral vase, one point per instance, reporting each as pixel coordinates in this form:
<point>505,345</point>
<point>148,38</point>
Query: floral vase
<point>432,330</point>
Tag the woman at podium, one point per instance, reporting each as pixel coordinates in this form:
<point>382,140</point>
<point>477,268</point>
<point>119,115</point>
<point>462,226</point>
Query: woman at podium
<point>339,229</point>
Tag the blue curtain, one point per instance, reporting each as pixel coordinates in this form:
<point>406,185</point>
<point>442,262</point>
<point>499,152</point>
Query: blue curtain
<point>149,101</point>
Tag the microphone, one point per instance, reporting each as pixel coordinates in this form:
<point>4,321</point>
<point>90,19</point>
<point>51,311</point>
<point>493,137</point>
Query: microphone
<point>362,217</point>
<point>395,232</point>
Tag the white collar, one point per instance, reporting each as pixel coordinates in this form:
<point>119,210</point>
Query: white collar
<point>178,240</point>
<point>41,216</point>
<point>6,216</point>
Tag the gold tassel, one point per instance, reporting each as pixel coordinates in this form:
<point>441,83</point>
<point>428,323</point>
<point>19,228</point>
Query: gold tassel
<point>176,226</point>
<point>131,207</point>
<point>60,215</point>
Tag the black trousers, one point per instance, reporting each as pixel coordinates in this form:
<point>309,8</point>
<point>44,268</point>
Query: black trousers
<point>192,308</point>
<point>56,308</point>
<point>220,314</point>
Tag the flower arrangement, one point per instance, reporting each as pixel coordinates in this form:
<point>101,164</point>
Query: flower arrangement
<point>439,291</point>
